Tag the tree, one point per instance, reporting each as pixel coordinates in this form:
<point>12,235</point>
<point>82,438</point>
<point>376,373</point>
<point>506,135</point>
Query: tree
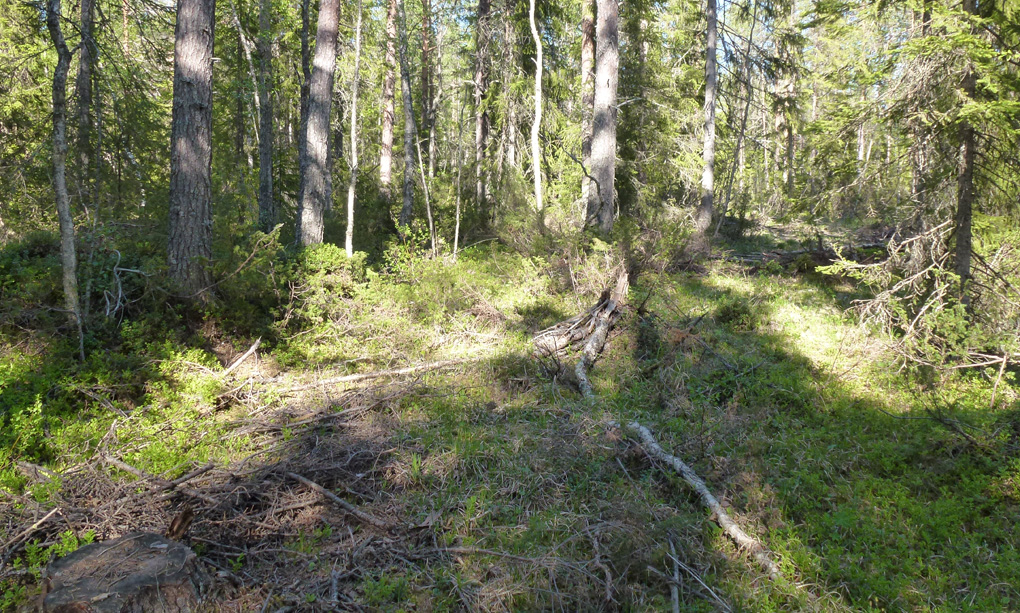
<point>315,192</point>
<point>536,125</point>
<point>88,54</point>
<point>353,180</point>
<point>481,114</point>
<point>389,107</point>
<point>407,209</point>
<point>267,205</point>
<point>68,257</point>
<point>965,190</point>
<point>601,202</point>
<point>190,244</point>
<point>703,217</point>
<point>587,91</point>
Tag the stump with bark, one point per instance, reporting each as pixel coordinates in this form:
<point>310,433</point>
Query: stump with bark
<point>136,573</point>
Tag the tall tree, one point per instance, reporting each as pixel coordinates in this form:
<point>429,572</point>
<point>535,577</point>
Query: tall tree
<point>306,81</point>
<point>389,106</point>
<point>426,73</point>
<point>353,180</point>
<point>267,206</point>
<point>315,193</point>
<point>587,91</point>
<point>965,184</point>
<point>190,244</point>
<point>703,217</point>
<point>68,257</point>
<point>601,202</point>
<point>407,209</point>
<point>536,125</point>
<point>481,114</point>
<point>83,88</point>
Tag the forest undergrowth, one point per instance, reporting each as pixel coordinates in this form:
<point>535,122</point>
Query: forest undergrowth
<point>483,479</point>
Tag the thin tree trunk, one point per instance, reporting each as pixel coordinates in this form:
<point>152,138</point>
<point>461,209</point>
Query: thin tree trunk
<point>601,205</point>
<point>190,244</point>
<point>353,181</point>
<point>426,69</point>
<point>481,115</point>
<point>703,218</point>
<point>389,106</point>
<point>83,88</point>
<point>460,166</point>
<point>965,187</point>
<point>306,80</point>
<point>587,95</point>
<point>316,193</point>
<point>536,125</point>
<point>267,206</point>
<point>68,257</point>
<point>407,210</point>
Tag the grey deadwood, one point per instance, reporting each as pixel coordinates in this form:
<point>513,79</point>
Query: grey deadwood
<point>601,202</point>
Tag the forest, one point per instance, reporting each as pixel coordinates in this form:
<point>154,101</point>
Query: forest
<point>508,305</point>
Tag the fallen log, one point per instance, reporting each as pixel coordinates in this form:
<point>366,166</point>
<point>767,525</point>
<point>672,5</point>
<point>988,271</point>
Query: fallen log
<point>604,320</point>
<point>374,375</point>
<point>730,527</point>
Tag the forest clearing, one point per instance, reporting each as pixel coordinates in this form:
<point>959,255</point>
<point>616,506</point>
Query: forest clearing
<point>641,306</point>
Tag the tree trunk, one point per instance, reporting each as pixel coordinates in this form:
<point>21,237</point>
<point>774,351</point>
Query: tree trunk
<point>601,204</point>
<point>703,218</point>
<point>190,244</point>
<point>389,107</point>
<point>587,92</point>
<point>83,88</point>
<point>743,120</point>
<point>965,187</point>
<point>68,257</point>
<point>306,80</point>
<point>407,210</point>
<point>426,69</point>
<point>536,125</point>
<point>316,193</point>
<point>481,115</point>
<point>267,206</point>
<point>353,181</point>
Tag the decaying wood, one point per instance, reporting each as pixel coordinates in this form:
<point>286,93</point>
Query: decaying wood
<point>730,527</point>
<point>240,360</point>
<point>604,320</point>
<point>26,533</point>
<point>162,484</point>
<point>374,375</point>
<point>136,572</point>
<point>368,518</point>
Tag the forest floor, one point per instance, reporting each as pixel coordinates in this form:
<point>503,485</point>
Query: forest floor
<point>496,486</point>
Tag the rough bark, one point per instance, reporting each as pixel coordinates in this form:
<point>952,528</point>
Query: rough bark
<point>190,244</point>
<point>407,209</point>
<point>587,91</point>
<point>389,106</point>
<point>267,206</point>
<point>481,115</point>
<point>315,194</point>
<point>306,79</point>
<point>965,180</point>
<point>83,87</point>
<point>703,217</point>
<point>536,125</point>
<point>68,256</point>
<point>353,181</point>
<point>601,204</point>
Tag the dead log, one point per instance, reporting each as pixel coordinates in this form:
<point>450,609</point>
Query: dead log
<point>604,320</point>
<point>730,527</point>
<point>136,573</point>
<point>374,375</point>
<point>367,518</point>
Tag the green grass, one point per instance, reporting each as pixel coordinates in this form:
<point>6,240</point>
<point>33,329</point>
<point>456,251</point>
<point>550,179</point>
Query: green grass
<point>781,402</point>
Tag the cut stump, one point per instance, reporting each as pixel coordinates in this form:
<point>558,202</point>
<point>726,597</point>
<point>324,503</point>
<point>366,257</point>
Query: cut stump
<point>136,573</point>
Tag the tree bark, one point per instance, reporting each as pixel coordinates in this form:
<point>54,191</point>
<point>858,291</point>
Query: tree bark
<point>407,210</point>
<point>190,244</point>
<point>83,88</point>
<point>481,115</point>
<point>68,257</point>
<point>587,92</point>
<point>703,218</point>
<point>316,193</point>
<point>426,73</point>
<point>389,107</point>
<point>306,79</point>
<point>353,181</point>
<point>267,206</point>
<point>965,185</point>
<point>536,125</point>
<point>601,205</point>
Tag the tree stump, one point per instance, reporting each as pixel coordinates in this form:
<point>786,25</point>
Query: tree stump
<point>136,573</point>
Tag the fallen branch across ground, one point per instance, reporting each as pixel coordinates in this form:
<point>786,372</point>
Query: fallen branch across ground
<point>730,527</point>
<point>368,518</point>
<point>374,375</point>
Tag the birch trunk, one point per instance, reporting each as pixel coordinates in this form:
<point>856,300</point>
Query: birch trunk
<point>389,106</point>
<point>353,181</point>
<point>536,125</point>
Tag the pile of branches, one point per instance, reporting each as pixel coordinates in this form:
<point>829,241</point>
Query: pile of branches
<point>918,301</point>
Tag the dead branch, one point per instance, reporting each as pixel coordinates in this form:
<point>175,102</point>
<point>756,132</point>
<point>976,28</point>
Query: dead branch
<point>350,508</point>
<point>9,546</point>
<point>240,360</point>
<point>730,527</point>
<point>162,484</point>
<point>375,375</point>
